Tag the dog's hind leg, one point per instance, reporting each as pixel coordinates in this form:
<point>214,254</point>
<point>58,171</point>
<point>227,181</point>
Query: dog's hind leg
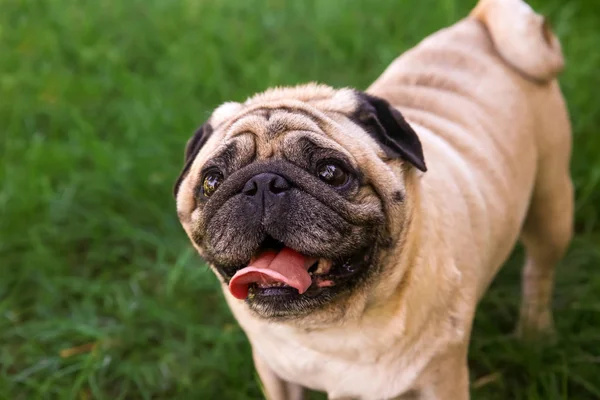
<point>548,226</point>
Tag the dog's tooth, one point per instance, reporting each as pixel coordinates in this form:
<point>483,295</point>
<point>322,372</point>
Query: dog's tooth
<point>324,266</point>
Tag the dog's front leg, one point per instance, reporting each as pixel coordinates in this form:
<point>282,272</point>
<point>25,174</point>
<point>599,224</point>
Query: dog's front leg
<point>274,387</point>
<point>446,377</point>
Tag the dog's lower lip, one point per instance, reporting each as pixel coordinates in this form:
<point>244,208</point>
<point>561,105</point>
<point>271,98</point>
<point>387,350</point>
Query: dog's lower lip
<point>276,290</point>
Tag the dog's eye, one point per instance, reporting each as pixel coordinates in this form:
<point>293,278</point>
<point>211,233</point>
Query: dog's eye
<point>212,180</point>
<point>332,174</point>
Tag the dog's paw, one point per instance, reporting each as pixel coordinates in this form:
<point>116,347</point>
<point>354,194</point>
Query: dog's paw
<point>536,326</point>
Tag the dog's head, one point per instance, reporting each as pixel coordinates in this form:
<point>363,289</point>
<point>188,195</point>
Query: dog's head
<point>293,196</point>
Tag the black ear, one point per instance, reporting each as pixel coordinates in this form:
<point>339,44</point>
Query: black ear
<point>388,127</point>
<point>192,149</point>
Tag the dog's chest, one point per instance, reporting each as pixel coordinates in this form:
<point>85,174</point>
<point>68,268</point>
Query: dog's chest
<point>342,364</point>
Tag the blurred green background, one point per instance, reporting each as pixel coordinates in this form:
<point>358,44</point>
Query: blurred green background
<point>102,297</point>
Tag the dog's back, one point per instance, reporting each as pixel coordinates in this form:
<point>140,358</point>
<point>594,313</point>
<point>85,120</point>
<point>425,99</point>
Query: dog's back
<point>484,96</point>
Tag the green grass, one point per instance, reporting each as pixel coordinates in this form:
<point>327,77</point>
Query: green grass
<point>97,100</point>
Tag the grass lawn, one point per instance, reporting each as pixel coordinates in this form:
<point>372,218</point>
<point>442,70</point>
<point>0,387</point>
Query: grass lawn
<point>102,297</point>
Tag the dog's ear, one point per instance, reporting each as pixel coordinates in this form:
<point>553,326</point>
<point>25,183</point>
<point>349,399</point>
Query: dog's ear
<point>192,149</point>
<point>388,127</point>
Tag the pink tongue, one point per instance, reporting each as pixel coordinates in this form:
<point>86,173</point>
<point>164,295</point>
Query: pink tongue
<point>287,266</point>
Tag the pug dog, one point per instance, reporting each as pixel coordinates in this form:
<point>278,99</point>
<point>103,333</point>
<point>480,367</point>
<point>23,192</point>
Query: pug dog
<point>355,232</point>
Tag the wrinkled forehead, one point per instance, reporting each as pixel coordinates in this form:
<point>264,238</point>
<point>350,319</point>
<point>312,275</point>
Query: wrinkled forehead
<point>268,122</point>
<point>268,126</point>
<point>310,99</point>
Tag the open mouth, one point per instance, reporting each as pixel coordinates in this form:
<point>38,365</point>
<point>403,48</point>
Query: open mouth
<point>277,270</point>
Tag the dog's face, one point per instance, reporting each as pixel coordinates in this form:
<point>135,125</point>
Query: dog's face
<point>290,196</point>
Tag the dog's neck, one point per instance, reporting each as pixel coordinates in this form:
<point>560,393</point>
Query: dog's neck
<point>408,289</point>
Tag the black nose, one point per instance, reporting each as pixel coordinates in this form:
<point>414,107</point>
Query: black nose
<point>266,185</point>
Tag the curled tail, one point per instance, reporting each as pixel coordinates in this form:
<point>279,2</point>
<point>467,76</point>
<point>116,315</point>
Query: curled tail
<point>522,37</point>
